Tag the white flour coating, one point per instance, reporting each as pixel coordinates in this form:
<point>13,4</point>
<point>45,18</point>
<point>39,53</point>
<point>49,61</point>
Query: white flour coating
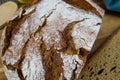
<point>32,66</point>
<point>85,33</point>
<point>57,21</point>
<point>13,53</point>
<point>51,38</point>
<point>99,9</point>
<point>11,74</point>
<point>70,62</point>
<point>31,24</point>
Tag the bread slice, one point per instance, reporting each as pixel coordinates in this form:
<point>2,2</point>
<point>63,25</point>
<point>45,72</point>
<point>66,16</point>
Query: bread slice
<point>49,39</point>
<point>105,64</point>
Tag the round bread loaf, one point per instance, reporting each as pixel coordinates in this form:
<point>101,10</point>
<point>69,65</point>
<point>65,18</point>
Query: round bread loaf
<point>49,39</point>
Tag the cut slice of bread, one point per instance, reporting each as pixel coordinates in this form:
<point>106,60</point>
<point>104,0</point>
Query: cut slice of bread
<point>105,64</point>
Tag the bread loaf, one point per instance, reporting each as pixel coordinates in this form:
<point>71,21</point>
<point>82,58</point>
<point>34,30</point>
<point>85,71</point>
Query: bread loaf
<point>105,63</point>
<point>49,39</point>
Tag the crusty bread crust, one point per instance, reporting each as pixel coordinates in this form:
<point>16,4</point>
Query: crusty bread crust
<point>49,41</point>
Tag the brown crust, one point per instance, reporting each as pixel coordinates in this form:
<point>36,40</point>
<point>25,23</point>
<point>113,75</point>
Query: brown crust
<point>70,47</point>
<point>83,54</point>
<point>8,33</point>
<point>19,71</point>
<point>52,64</point>
<point>83,4</point>
<point>12,28</point>
<point>51,58</point>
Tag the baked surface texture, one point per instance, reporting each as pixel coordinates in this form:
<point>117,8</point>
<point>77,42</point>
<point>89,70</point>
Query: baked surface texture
<point>105,64</point>
<point>49,39</point>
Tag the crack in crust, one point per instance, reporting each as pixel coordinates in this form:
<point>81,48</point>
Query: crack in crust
<point>52,61</point>
<point>49,55</point>
<point>74,74</point>
<point>18,64</point>
<point>83,54</point>
<point>45,20</point>
<point>12,28</point>
<point>14,31</point>
<point>8,33</point>
<point>19,71</point>
<point>70,48</point>
<point>67,42</point>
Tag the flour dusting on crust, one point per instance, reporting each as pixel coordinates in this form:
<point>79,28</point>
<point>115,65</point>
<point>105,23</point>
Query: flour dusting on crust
<point>70,63</point>
<point>47,40</point>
